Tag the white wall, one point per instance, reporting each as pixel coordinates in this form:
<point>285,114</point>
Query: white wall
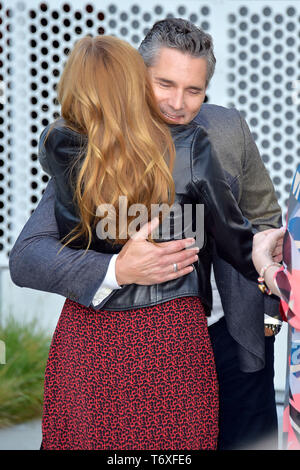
<point>28,304</point>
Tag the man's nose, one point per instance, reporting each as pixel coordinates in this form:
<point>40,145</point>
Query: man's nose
<point>176,100</point>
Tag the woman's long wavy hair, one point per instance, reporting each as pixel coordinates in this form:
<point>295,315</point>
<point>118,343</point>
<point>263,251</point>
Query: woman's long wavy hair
<point>105,94</point>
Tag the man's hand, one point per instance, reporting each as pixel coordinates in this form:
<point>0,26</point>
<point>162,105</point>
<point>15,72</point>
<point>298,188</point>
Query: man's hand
<point>267,250</point>
<point>267,247</point>
<point>146,263</point>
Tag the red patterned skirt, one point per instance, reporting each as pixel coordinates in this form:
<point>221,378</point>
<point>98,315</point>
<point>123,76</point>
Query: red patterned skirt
<point>142,379</point>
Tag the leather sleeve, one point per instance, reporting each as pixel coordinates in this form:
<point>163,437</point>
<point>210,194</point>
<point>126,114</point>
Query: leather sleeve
<point>224,220</point>
<point>42,153</point>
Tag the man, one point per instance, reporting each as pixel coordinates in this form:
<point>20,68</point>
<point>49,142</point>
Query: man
<point>181,62</point>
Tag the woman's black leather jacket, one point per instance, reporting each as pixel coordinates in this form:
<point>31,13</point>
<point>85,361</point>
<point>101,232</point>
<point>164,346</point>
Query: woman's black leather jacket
<point>198,179</point>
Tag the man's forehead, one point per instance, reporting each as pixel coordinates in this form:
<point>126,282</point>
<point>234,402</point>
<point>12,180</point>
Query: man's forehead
<point>174,65</point>
<point>170,53</point>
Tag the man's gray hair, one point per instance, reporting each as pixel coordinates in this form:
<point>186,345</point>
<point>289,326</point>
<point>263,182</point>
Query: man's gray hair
<point>182,35</point>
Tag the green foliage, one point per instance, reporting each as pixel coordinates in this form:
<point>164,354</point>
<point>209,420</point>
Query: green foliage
<point>22,377</point>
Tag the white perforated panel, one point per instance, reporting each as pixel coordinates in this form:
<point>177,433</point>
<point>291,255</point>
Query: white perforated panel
<point>263,47</point>
<point>256,45</point>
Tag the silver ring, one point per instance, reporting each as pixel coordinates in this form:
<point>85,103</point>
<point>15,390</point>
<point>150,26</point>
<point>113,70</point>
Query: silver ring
<point>175,267</point>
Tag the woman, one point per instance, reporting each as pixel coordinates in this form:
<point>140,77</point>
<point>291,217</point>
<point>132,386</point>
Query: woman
<point>139,374</point>
<point>284,281</point>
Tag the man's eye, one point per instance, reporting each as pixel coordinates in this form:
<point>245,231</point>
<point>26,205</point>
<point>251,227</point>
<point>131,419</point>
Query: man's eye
<point>165,85</point>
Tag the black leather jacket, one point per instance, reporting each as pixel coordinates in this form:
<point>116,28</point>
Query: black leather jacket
<point>198,178</point>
